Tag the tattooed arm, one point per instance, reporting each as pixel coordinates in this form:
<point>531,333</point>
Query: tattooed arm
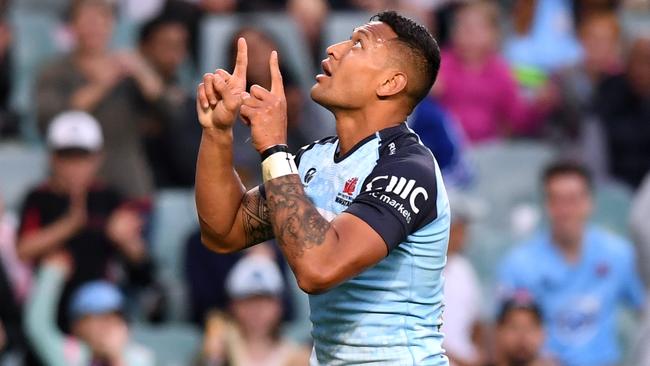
<point>230,218</point>
<point>321,254</point>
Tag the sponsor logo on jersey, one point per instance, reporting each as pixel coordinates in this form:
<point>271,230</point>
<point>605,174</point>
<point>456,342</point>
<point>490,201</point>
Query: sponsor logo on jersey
<point>350,186</point>
<point>309,175</point>
<point>406,189</point>
<point>392,148</point>
<point>345,197</point>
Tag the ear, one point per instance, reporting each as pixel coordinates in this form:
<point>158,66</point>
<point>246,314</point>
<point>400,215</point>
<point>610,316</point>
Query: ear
<point>392,84</point>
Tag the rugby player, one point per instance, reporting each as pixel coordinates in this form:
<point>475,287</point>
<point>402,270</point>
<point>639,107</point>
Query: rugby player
<point>362,217</point>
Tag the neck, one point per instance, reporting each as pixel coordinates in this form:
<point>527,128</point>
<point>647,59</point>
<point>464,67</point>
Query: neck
<point>354,126</point>
<point>569,245</point>
<point>89,53</point>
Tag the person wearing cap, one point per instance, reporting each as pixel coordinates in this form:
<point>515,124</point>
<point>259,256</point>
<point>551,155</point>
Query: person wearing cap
<point>579,274</point>
<point>462,323</point>
<point>519,333</point>
<point>72,210</point>
<point>99,331</point>
<point>252,337</point>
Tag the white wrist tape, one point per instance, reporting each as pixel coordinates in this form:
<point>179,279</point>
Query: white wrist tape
<point>277,165</point>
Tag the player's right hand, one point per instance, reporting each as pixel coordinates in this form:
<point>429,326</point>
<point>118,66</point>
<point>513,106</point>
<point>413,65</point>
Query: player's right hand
<point>219,96</point>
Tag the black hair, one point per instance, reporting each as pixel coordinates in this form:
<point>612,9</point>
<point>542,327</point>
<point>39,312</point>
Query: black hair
<point>514,304</point>
<point>423,49</point>
<point>567,167</point>
<point>152,26</point>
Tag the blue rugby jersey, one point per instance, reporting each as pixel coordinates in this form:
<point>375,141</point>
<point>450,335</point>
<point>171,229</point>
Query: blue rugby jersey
<point>391,313</point>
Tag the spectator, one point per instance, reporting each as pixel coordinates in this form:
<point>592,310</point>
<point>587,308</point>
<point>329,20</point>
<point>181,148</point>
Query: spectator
<point>11,335</point>
<point>18,274</point>
<point>520,334</point>
<point>623,108</point>
<point>576,272</point>
<point>544,36</point>
<point>253,338</point>
<point>462,324</point>
<point>73,211</point>
<point>8,120</point>
<point>641,234</point>
<point>93,79</point>
<point>440,132</point>
<point>171,136</point>
<point>310,15</point>
<point>475,83</point>
<point>100,332</point>
<point>601,43</point>
<point>206,271</point>
<point>302,122</point>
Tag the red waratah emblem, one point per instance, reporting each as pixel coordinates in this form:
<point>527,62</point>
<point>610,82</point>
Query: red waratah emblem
<point>350,186</point>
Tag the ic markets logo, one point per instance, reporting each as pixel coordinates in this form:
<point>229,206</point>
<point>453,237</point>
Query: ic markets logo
<point>403,190</point>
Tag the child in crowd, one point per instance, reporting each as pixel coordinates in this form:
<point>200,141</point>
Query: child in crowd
<point>520,334</point>
<point>252,337</point>
<point>100,331</point>
<point>477,86</point>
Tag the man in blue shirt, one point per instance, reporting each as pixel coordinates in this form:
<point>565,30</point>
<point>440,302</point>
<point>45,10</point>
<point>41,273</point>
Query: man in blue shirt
<point>361,217</point>
<point>578,273</point>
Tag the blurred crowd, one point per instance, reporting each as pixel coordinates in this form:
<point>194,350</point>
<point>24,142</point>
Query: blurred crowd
<point>103,92</point>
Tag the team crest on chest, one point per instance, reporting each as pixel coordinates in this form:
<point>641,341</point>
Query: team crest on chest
<point>346,196</point>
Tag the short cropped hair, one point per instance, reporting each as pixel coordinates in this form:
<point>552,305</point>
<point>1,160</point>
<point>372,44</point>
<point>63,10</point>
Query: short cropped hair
<point>567,167</point>
<point>423,51</point>
<point>152,26</point>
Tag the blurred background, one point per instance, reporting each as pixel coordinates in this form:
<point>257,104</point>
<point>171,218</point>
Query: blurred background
<point>539,120</point>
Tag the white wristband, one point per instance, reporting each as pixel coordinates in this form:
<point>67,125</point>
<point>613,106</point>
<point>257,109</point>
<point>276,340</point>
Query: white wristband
<point>277,165</point>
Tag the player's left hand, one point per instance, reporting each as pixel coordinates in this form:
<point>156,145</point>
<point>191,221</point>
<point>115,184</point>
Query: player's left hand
<point>266,111</point>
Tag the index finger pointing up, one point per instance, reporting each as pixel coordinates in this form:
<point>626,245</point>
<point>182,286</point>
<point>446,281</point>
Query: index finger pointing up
<point>242,59</point>
<point>277,88</point>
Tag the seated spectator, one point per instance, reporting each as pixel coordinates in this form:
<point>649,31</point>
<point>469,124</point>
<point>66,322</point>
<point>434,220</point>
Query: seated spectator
<point>72,210</point>
<point>440,132</point>
<point>462,325</point>
<point>476,85</point>
<point>8,119</point>
<point>18,273</point>
<point>302,124</point>
<point>170,133</point>
<point>100,332</point>
<point>599,35</point>
<point>107,85</point>
<point>577,273</point>
<point>520,334</point>
<point>206,272</point>
<point>253,336</point>
<point>622,106</point>
<point>544,35</point>
<point>310,15</point>
<point>11,335</point>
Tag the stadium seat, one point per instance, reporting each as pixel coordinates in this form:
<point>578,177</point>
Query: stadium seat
<point>22,167</point>
<point>174,344</point>
<point>339,26</point>
<point>173,221</point>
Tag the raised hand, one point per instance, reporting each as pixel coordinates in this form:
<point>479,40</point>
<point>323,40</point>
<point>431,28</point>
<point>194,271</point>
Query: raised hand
<point>266,111</point>
<point>219,96</point>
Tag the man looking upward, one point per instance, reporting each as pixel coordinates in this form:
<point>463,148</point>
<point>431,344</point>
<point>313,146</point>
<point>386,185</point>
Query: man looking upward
<point>362,217</point>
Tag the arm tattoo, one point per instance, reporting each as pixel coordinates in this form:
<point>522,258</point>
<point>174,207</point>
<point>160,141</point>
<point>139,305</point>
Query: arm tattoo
<point>255,217</point>
<point>296,222</point>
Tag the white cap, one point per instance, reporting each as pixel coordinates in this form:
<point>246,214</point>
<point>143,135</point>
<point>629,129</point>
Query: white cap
<point>465,207</point>
<point>74,129</point>
<point>254,275</point>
